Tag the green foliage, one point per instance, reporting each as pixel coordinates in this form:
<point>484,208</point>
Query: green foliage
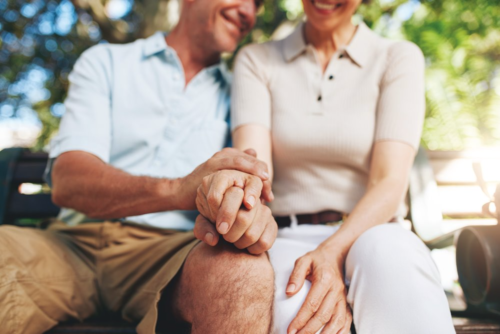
<point>41,39</point>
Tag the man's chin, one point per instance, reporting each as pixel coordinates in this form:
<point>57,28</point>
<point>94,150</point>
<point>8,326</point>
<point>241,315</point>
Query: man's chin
<point>227,47</point>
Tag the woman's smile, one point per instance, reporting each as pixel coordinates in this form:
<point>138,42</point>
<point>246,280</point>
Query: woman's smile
<point>326,7</point>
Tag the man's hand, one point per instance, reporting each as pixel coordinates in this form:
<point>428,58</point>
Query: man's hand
<point>228,158</point>
<point>253,229</point>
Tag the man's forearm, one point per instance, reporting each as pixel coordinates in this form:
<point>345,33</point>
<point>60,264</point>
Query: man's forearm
<point>83,182</point>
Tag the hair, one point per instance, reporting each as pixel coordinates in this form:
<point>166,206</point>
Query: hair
<point>366,1</point>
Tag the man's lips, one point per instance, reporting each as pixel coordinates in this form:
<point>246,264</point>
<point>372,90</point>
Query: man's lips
<point>237,23</point>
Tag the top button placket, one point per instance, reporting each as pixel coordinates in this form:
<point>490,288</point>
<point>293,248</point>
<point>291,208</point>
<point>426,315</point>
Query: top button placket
<point>329,77</point>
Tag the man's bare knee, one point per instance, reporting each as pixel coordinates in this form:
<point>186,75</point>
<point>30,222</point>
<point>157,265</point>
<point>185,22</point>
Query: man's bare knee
<point>224,284</point>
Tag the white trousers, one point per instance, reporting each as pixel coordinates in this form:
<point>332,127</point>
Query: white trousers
<point>394,287</point>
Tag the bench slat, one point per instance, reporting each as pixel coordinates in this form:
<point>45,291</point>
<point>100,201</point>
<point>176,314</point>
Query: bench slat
<point>460,171</point>
<point>32,206</point>
<point>29,172</point>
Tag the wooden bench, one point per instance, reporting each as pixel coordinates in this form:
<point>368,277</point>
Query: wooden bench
<point>447,192</point>
<point>25,200</point>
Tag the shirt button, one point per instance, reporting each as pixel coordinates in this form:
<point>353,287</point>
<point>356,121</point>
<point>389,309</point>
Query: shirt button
<point>330,77</point>
<point>319,98</point>
<point>341,56</point>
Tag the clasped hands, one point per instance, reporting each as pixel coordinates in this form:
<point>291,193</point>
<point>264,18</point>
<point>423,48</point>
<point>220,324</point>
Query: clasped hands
<point>231,205</point>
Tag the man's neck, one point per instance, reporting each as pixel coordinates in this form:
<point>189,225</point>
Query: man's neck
<point>193,57</point>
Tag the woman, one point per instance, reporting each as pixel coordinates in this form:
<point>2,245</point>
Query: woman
<point>338,111</point>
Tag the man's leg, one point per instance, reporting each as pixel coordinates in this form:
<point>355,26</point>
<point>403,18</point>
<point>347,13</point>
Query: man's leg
<point>44,279</point>
<point>225,290</point>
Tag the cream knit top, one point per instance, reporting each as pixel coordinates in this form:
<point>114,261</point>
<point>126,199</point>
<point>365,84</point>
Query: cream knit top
<point>324,125</point>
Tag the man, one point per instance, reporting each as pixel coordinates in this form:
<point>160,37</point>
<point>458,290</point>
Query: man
<point>141,120</point>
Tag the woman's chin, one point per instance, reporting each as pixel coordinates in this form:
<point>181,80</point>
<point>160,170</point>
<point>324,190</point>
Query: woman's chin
<point>324,26</point>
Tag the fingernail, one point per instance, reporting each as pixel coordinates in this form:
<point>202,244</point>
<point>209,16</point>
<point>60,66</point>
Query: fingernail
<point>223,227</point>
<point>251,201</point>
<point>209,238</point>
<point>272,196</point>
<point>266,175</point>
<point>293,331</point>
<point>290,288</point>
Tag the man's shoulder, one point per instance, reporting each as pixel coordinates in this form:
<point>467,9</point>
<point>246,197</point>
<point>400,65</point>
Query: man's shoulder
<point>105,53</point>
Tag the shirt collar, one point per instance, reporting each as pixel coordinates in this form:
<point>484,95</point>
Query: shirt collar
<point>358,49</point>
<point>294,44</point>
<point>362,45</point>
<point>155,44</point>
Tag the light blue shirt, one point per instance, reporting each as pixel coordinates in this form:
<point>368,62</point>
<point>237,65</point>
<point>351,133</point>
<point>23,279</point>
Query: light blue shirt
<point>128,105</point>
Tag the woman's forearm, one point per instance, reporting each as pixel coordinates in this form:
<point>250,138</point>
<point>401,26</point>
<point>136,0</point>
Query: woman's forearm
<point>376,207</point>
<point>387,186</point>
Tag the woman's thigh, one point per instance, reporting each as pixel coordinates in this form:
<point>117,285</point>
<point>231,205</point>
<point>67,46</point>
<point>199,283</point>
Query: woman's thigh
<point>291,244</point>
<point>386,261</point>
<point>394,285</point>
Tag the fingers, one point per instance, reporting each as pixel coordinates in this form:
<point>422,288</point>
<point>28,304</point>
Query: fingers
<point>322,316</point>
<point>266,240</point>
<point>215,188</point>
<point>230,158</point>
<point>348,321</point>
<point>253,189</point>
<point>267,193</point>
<point>229,209</point>
<point>251,151</point>
<point>261,234</point>
<point>205,231</point>
<point>321,282</point>
<point>244,219</point>
<point>341,320</point>
<point>300,272</point>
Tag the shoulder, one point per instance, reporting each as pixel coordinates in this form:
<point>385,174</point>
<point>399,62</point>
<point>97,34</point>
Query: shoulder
<point>403,51</point>
<point>106,53</point>
<point>261,53</point>
<point>97,54</point>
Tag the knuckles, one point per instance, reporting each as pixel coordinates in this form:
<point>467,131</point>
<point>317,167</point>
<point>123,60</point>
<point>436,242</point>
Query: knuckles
<point>312,305</point>
<point>213,200</point>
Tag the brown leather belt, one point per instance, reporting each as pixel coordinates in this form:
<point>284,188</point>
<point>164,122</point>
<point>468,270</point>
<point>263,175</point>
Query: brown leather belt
<point>324,218</point>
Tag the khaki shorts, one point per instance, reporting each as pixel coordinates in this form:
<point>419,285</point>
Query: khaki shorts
<point>67,273</point>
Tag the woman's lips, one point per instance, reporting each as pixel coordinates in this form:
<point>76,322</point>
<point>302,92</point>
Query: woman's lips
<point>325,7</point>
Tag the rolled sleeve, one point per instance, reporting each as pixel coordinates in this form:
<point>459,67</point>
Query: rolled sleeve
<point>86,125</point>
<point>251,99</point>
<point>401,105</point>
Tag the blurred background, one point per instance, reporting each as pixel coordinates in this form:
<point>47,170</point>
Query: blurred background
<point>41,39</point>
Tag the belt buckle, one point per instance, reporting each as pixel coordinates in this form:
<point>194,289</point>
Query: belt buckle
<point>334,223</point>
<point>344,217</point>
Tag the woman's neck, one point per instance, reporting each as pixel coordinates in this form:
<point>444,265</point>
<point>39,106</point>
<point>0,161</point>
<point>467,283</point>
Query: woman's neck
<point>327,43</point>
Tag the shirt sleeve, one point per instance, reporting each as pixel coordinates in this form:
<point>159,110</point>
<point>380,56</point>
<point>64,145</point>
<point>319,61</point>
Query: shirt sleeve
<point>401,105</point>
<point>86,124</point>
<point>250,96</point>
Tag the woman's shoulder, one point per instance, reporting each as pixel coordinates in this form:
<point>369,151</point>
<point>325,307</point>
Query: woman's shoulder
<point>399,49</point>
<point>261,52</point>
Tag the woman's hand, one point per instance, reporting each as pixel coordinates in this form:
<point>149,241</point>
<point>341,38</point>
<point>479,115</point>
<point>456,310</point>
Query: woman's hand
<point>326,303</point>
